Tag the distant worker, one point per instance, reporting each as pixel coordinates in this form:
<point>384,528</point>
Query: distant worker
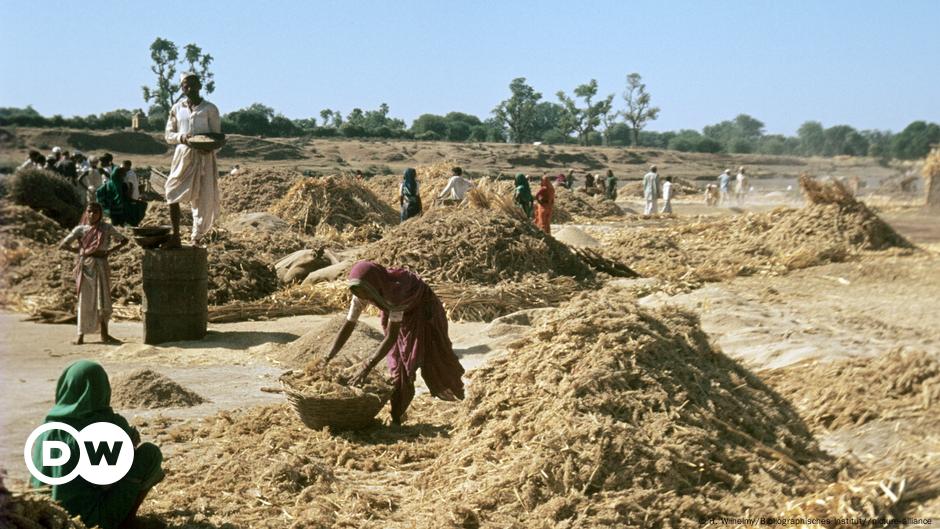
<point>544,205</point>
<point>409,198</point>
<point>724,187</point>
<point>115,199</point>
<point>107,165</point>
<point>66,167</point>
<point>82,398</point>
<point>588,181</point>
<point>711,195</point>
<point>667,196</point>
<point>569,180</point>
<point>415,334</point>
<point>131,180</point>
<point>194,172</point>
<point>92,179</point>
<point>560,180</point>
<point>457,187</point>
<point>359,175</point>
<point>32,161</point>
<point>522,194</point>
<point>650,190</point>
<point>235,170</point>
<point>611,185</point>
<point>741,185</point>
<point>92,272</point>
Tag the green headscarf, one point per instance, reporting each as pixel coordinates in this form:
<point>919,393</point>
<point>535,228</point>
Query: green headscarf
<point>523,191</point>
<point>82,397</point>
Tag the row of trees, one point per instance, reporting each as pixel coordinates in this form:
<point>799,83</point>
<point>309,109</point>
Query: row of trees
<point>743,134</point>
<point>584,117</point>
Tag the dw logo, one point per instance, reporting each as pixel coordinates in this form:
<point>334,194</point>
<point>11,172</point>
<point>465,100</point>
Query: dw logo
<point>106,453</point>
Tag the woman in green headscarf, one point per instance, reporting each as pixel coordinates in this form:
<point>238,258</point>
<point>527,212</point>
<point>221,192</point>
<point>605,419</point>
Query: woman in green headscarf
<point>114,197</point>
<point>83,397</point>
<point>523,194</point>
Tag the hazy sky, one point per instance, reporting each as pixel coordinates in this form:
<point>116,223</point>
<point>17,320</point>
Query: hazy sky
<point>863,63</point>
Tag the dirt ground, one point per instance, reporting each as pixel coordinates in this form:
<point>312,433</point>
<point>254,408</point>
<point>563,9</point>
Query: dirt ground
<point>861,308</point>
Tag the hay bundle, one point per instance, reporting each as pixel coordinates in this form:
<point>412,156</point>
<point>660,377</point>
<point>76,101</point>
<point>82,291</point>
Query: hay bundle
<point>833,395</point>
<point>482,247</point>
<point>48,193</point>
<point>605,415</point>
<point>931,173</point>
<point>335,208</point>
<point>831,192</point>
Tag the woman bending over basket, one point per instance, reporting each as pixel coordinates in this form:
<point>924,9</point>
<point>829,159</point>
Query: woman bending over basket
<point>415,334</point>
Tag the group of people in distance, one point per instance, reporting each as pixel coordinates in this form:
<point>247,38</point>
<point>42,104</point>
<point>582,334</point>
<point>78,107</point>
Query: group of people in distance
<point>722,194</point>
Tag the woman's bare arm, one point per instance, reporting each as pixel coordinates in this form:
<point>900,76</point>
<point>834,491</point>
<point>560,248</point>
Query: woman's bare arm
<point>341,338</point>
<point>390,337</point>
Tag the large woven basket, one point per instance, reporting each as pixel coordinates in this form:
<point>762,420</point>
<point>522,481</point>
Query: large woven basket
<point>339,413</point>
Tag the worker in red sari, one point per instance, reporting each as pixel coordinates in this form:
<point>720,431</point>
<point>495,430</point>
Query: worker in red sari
<point>415,334</point>
<point>544,205</point>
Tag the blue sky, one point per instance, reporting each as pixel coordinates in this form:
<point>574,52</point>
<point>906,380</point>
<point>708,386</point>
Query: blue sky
<point>863,63</point>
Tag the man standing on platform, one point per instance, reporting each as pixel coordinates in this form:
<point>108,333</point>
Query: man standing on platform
<point>194,172</point>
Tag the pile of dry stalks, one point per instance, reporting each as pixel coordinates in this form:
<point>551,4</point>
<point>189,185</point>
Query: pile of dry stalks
<point>842,393</point>
<point>831,229</point>
<point>450,246</point>
<point>256,189</point>
<point>610,415</point>
<point>335,208</point>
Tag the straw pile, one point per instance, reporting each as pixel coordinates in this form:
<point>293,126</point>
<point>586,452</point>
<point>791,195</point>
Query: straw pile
<point>33,511</point>
<point>578,204</point>
<point>468,302</point>
<point>316,343</point>
<point>22,222</point>
<point>485,247</point>
<point>873,497</point>
<point>607,415</point>
<point>832,228</point>
<point>262,468</point>
<point>256,189</point>
<point>240,269</point>
<point>853,392</point>
<point>335,208</point>
<point>143,388</point>
<point>48,193</point>
<point>330,380</point>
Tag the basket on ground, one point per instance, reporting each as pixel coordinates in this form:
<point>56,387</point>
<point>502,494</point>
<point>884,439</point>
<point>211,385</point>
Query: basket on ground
<point>353,411</point>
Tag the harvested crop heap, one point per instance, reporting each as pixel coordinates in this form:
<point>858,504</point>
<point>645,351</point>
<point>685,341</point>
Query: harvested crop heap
<point>609,415</point>
<point>485,247</point>
<point>853,392</point>
<point>833,227</point>
<point>256,189</point>
<point>48,193</point>
<point>262,468</point>
<point>330,380</point>
<point>143,388</point>
<point>579,204</point>
<point>335,208</point>
<point>33,511</point>
<point>22,222</point>
<point>316,343</point>
<point>240,269</point>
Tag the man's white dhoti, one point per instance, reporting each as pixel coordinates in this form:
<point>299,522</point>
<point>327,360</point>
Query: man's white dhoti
<point>194,173</point>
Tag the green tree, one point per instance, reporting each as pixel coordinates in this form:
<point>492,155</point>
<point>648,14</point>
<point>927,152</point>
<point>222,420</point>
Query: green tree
<point>582,120</point>
<point>164,55</point>
<point>639,108</point>
<point>844,140</point>
<point>199,63</point>
<point>915,140</point>
<point>517,114</point>
<point>607,116</point>
<point>812,138</point>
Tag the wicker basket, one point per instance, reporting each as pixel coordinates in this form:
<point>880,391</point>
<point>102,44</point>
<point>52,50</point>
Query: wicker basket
<point>339,413</point>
